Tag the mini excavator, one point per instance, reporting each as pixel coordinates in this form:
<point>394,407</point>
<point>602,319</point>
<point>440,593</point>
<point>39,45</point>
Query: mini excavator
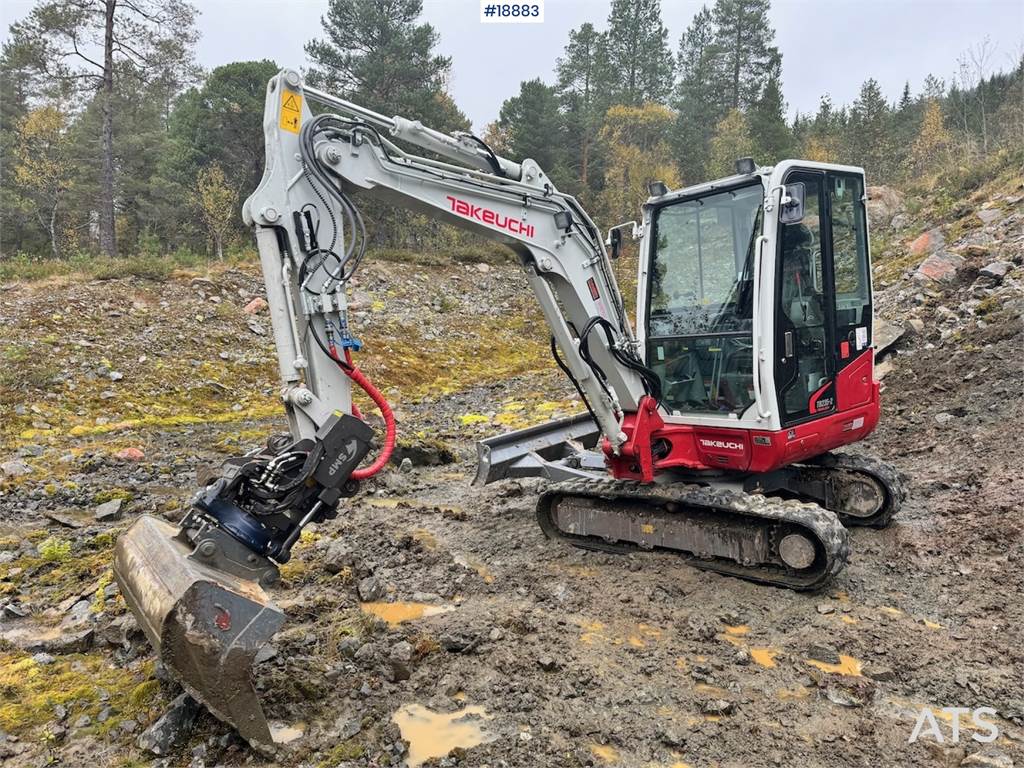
<point>709,430</point>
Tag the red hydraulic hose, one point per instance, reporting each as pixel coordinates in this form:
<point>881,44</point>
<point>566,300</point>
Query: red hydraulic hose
<point>385,410</point>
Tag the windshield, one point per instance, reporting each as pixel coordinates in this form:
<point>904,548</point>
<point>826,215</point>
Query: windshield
<point>700,316</point>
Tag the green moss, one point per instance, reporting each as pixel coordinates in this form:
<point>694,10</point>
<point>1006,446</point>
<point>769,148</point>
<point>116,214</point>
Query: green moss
<point>142,695</point>
<point>55,551</point>
<point>988,304</point>
<point>110,494</point>
<point>347,750</point>
<point>99,599</point>
<point>31,690</point>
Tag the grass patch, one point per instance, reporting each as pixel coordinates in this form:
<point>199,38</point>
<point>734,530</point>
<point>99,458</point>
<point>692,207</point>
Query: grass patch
<point>145,266</point>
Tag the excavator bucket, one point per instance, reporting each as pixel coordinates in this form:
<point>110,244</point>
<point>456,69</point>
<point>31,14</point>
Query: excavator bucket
<point>206,626</point>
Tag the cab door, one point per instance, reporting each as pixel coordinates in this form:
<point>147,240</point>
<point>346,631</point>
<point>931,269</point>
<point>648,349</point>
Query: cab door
<point>823,360</point>
<point>804,316</point>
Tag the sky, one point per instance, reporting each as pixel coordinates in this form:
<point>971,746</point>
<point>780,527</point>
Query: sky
<point>828,46</point>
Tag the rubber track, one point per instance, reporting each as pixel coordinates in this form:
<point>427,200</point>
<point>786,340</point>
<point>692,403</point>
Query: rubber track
<point>884,473</point>
<point>822,526</point>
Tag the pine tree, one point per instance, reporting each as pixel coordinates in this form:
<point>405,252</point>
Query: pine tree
<point>640,62</point>
<point>824,134</point>
<point>870,133</point>
<point>583,86</point>
<point>532,127</point>
<point>732,140</point>
<point>747,55</point>
<point>772,136</point>
<point>697,98</point>
<point>376,53</point>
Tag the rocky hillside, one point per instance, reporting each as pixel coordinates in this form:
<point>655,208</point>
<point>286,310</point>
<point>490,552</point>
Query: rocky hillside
<point>431,616</point>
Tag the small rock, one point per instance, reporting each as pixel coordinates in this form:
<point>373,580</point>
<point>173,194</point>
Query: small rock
<point>825,608</point>
<point>671,737</point>
<point>406,465</point>
<point>346,726</point>
<point>15,468</point>
<point>986,760</point>
<point>717,707</point>
<point>989,215</point>
<point>914,326</point>
<point>43,658</point>
<point>130,454</point>
<point>257,328</point>
<point>115,375</point>
<point>338,556</point>
<point>944,418</point>
<point>266,653</point>
<point>66,520</point>
<point>365,653</point>
<point>886,335</point>
<point>370,589</point>
<point>172,728</point>
<point>256,306</point>
<point>975,251</point>
<point>82,721</point>
<point>547,663</point>
<point>107,394</point>
<point>878,672</point>
<point>994,273</point>
<point>483,268</point>
<point>108,511</point>
<point>401,660</point>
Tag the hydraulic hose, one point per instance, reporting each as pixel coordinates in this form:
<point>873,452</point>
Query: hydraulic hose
<point>390,430</point>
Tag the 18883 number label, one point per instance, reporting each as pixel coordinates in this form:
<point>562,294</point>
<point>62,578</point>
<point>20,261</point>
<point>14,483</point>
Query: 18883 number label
<point>492,12</point>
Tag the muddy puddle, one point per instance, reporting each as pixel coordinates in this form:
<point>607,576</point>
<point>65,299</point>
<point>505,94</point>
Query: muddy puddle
<point>434,734</point>
<point>400,612</point>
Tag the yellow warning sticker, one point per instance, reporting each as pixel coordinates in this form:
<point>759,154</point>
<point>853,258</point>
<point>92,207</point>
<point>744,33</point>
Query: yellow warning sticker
<point>291,111</point>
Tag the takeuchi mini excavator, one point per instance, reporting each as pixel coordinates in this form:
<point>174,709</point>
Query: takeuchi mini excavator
<point>708,431</point>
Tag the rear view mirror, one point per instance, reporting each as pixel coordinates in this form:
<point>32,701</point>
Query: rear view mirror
<point>615,240</point>
<point>792,203</point>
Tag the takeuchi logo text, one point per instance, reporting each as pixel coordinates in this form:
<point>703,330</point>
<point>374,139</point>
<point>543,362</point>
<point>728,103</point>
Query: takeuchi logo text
<point>487,216</point>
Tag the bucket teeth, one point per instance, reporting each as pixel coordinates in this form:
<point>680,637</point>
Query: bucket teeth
<point>206,626</point>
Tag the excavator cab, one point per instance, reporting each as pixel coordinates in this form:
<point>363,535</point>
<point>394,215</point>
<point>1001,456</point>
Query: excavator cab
<point>755,311</point>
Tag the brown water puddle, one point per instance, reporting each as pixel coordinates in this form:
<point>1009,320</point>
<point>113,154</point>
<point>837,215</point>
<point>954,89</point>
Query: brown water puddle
<point>396,613</point>
<point>606,753</point>
<point>285,734</point>
<point>847,666</point>
<point>763,657</point>
<point>435,734</point>
<point>471,561</point>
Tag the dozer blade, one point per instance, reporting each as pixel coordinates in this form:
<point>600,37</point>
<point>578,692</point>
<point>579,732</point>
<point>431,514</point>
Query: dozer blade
<point>206,626</point>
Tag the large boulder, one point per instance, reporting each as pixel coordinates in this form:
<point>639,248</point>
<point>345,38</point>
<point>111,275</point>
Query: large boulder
<point>940,267</point>
<point>884,204</point>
